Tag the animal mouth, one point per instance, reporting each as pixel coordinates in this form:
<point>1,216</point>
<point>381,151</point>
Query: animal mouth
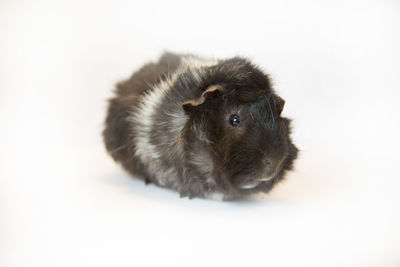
<point>250,185</point>
<point>254,183</point>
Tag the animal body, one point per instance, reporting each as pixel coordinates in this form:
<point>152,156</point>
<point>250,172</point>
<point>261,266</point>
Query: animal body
<point>204,127</point>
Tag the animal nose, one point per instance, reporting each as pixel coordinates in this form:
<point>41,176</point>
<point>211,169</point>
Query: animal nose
<point>269,168</point>
<point>267,164</point>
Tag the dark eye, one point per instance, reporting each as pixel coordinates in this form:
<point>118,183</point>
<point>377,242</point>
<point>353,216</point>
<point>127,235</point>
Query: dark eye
<point>234,120</point>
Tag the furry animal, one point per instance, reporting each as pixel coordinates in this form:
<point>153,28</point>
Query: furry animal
<point>206,128</point>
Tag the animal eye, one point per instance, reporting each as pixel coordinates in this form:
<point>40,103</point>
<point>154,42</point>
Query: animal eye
<point>234,120</point>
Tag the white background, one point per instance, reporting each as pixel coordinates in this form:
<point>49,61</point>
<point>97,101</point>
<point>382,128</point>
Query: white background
<point>64,202</point>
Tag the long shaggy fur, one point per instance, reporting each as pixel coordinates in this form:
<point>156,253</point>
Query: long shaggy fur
<point>169,124</point>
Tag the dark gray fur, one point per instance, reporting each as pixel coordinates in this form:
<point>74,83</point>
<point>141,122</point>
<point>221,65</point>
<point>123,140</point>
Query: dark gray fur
<point>192,148</point>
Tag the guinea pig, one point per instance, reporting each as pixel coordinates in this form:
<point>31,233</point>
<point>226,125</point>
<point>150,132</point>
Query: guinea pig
<point>206,128</point>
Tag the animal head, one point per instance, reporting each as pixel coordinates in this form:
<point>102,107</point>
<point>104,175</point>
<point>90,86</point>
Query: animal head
<point>237,118</point>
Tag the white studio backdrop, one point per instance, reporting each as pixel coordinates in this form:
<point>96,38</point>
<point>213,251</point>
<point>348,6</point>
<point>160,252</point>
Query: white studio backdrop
<point>64,202</point>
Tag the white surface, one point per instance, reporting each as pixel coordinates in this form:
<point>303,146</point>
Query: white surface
<point>64,202</point>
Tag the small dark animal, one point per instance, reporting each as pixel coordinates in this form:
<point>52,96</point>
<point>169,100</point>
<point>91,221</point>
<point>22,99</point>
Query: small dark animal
<point>205,128</point>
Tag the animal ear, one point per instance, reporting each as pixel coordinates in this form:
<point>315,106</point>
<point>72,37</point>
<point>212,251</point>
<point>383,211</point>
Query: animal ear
<point>279,104</point>
<point>211,92</point>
